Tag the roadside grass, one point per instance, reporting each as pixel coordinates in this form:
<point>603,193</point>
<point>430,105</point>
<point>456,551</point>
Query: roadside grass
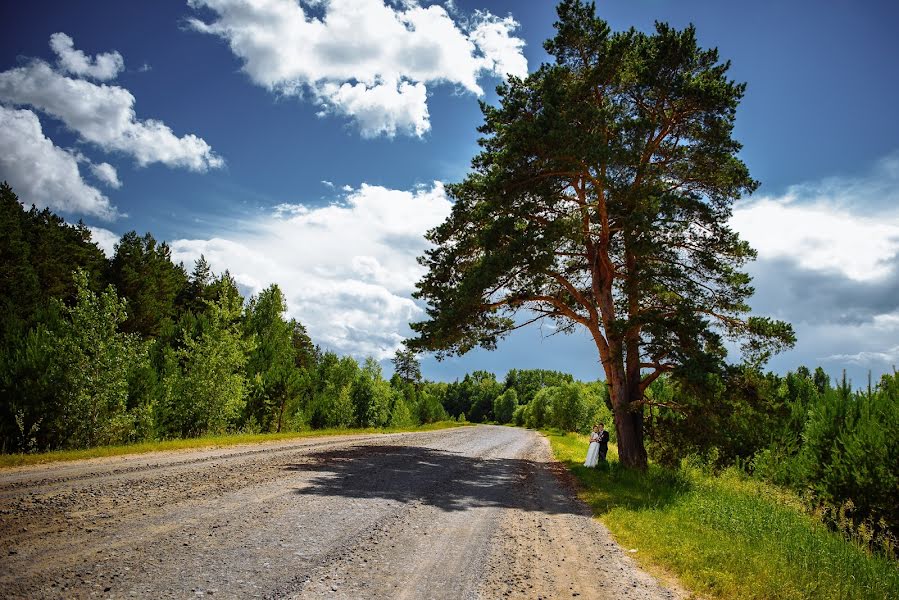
<point>216,441</point>
<point>725,536</point>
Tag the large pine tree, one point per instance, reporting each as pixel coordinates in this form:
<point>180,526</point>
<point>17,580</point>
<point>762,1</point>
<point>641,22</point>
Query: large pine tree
<point>601,200</point>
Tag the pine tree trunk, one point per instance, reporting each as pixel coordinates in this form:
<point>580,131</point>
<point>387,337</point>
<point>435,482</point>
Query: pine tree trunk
<point>629,429</point>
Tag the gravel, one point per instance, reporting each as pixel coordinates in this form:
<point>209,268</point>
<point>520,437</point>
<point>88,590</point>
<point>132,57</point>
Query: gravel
<point>474,512</point>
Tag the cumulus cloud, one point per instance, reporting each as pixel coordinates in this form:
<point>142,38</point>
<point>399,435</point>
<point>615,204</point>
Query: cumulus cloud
<point>104,115</point>
<point>106,173</point>
<point>42,173</point>
<point>829,264</point>
<point>347,269</point>
<point>822,235</point>
<point>502,52</point>
<point>369,60</point>
<point>102,67</point>
<point>845,225</point>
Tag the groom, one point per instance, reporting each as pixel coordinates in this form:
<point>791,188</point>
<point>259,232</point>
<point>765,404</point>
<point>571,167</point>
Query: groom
<point>603,441</point>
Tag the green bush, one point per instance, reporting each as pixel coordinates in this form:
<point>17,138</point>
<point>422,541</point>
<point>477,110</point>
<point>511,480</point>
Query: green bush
<point>505,405</point>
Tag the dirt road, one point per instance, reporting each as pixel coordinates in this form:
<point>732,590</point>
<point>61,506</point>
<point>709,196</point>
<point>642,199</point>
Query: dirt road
<point>475,512</point>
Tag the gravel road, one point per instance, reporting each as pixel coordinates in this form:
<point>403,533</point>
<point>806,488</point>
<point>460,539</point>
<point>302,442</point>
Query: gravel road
<point>473,512</point>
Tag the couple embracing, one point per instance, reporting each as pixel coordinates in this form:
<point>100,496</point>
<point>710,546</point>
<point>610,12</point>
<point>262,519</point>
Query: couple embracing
<point>599,445</point>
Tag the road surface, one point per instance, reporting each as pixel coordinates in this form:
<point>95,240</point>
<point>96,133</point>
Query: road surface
<point>473,512</point>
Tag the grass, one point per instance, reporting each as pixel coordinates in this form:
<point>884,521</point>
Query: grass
<point>725,536</point>
<point>216,441</point>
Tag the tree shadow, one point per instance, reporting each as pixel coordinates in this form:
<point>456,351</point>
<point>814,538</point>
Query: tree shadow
<point>447,480</point>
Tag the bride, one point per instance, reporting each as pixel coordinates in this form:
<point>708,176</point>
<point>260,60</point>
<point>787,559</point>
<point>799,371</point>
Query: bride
<point>593,449</point>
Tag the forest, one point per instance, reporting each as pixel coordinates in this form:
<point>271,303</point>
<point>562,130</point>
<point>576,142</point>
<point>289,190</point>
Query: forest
<point>133,347</point>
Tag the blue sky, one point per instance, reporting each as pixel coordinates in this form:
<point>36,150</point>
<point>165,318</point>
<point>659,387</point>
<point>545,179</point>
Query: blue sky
<point>318,167</point>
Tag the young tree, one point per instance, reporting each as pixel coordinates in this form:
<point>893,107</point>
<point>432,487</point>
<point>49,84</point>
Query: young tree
<point>91,366</point>
<point>504,406</point>
<point>207,392</point>
<point>484,391</point>
<point>271,366</point>
<point>406,365</point>
<point>195,294</point>
<point>601,200</point>
<point>371,396</point>
<point>569,410</point>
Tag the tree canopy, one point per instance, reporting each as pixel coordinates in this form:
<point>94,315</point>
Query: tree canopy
<point>601,199</point>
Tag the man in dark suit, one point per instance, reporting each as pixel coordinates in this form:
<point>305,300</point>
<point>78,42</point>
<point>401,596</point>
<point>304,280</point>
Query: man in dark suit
<point>603,441</point>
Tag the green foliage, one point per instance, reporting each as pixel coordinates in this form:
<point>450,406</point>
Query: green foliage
<point>737,413</point>
<point>527,382</point>
<point>372,396</point>
<point>568,408</point>
<point>401,413</point>
<point>596,400</point>
<point>850,452</point>
<point>430,407</point>
<point>197,292</point>
<point>143,273</point>
<point>39,251</point>
<point>208,388</point>
<point>331,404</point>
<point>474,396</point>
<point>275,381</point>
<point>91,367</point>
<point>538,412</point>
<point>726,536</point>
<point>836,447</point>
<point>406,365</point>
<point>32,413</point>
<point>484,390</point>
<point>518,416</point>
<point>504,406</point>
<point>601,199</point>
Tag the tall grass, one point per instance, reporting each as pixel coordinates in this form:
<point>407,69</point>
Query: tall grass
<point>217,441</point>
<point>726,536</point>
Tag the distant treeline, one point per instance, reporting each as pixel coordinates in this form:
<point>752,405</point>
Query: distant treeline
<point>132,348</point>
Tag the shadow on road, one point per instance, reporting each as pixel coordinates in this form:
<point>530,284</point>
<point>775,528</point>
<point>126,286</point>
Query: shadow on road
<point>439,478</point>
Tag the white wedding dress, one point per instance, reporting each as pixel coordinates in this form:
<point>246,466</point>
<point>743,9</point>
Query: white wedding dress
<point>593,451</point>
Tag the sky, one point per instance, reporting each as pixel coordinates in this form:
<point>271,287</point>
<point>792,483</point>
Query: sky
<point>307,143</point>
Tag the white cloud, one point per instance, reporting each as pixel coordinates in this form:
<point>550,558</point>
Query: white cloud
<point>104,115</point>
<point>502,52</point>
<point>829,264</point>
<point>823,235</point>
<point>105,239</point>
<point>327,184</point>
<point>102,67</point>
<point>42,173</point>
<point>846,225</point>
<point>888,357</point>
<point>106,173</point>
<point>382,109</point>
<point>369,60</point>
<point>347,269</point>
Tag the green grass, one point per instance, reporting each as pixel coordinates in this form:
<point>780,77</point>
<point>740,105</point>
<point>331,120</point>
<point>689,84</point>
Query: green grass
<point>725,536</point>
<point>218,441</point>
